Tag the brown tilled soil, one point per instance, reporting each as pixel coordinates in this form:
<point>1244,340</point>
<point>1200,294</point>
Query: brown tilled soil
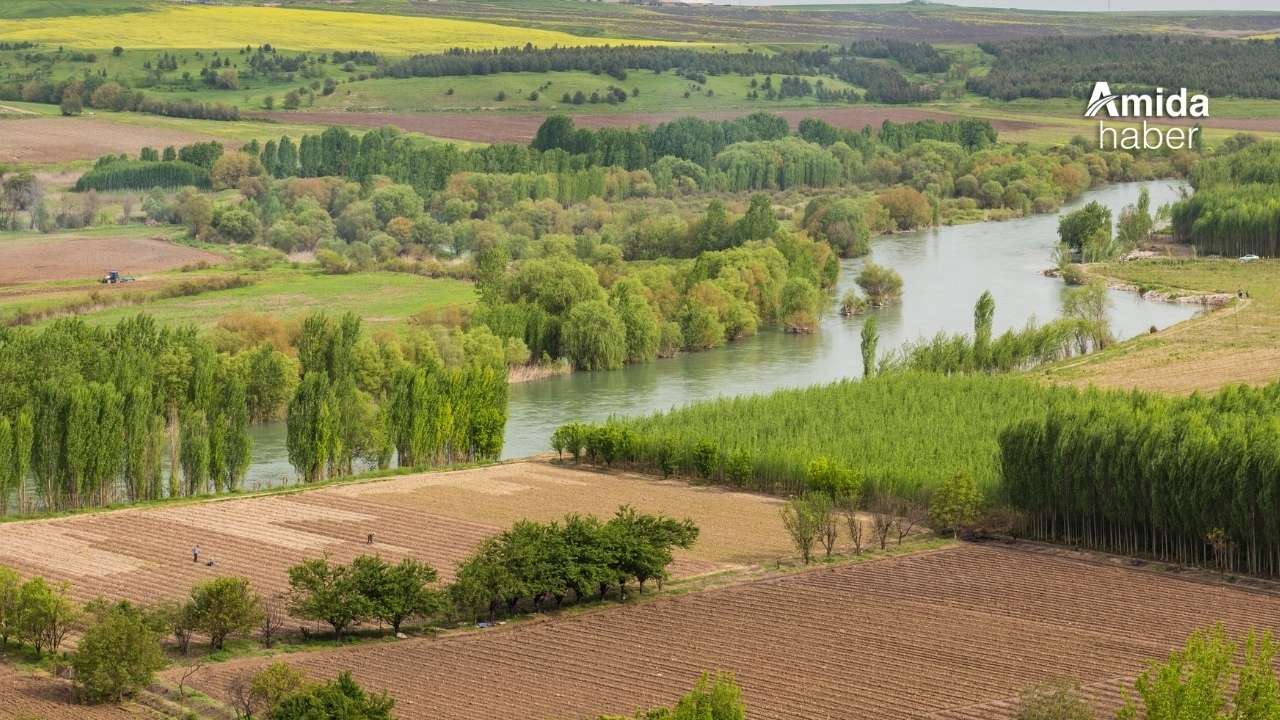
<point>25,696</point>
<point>143,554</point>
<point>39,259</point>
<point>503,127</point>
<point>59,139</point>
<point>955,633</point>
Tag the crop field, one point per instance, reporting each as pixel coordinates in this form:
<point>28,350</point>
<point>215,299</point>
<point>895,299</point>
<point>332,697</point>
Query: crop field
<point>143,554</point>
<point>292,29</point>
<point>1240,343</point>
<point>75,256</point>
<point>58,139</point>
<point>951,633</point>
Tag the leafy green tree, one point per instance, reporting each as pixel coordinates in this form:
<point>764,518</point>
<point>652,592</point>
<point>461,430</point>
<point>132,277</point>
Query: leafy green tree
<point>274,683</point>
<point>882,285</point>
<point>715,697</point>
<point>594,337</point>
<point>46,614</point>
<point>870,337</point>
<point>639,321</point>
<point>10,617</point>
<point>1192,683</point>
<point>118,654</point>
<point>955,503</point>
<point>225,607</point>
<point>1077,227</point>
<point>311,426</point>
<point>330,593</point>
<point>800,305</point>
<point>343,698</point>
<point>802,519</point>
<point>397,592</point>
<point>983,318</point>
<point>758,223</point>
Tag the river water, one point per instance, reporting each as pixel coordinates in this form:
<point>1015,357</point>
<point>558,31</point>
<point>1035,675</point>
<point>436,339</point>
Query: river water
<point>944,270</point>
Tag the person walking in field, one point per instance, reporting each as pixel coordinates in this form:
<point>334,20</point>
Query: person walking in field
<point>195,553</point>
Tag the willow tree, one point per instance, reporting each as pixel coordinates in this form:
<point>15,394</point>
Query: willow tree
<point>983,318</point>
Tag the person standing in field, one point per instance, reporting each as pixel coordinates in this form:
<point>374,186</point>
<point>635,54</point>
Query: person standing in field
<point>195,553</point>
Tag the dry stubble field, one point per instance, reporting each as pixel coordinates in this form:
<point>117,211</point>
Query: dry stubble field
<point>143,554</point>
<point>950,634</point>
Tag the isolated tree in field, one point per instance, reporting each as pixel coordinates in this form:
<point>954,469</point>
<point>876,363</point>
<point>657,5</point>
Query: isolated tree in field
<point>1196,680</point>
<point>118,654</point>
<point>397,592</point>
<point>225,607</point>
<point>828,522</point>
<point>870,338</point>
<point>274,616</point>
<point>45,614</point>
<point>955,504</point>
<point>342,698</point>
<point>1055,700</point>
<point>853,521</point>
<point>330,593</point>
<point>802,519</point>
<point>883,521</point>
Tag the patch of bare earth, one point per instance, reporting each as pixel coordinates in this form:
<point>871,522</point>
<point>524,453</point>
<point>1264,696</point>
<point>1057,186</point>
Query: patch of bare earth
<point>59,139</point>
<point>503,127</point>
<point>955,633</point>
<point>25,695</point>
<point>144,554</point>
<point>40,259</point>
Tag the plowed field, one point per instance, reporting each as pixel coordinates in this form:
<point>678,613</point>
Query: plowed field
<point>144,554</point>
<point>954,633</point>
<point>30,697</point>
<point>40,258</point>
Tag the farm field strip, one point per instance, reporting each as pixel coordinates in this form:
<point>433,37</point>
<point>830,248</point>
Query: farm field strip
<point>954,633</point>
<point>291,29</point>
<point>143,554</point>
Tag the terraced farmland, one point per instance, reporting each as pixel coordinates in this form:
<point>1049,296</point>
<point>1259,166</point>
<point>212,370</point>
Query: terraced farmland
<point>954,633</point>
<point>144,554</point>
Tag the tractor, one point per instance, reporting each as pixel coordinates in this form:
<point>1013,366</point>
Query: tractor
<point>113,277</point>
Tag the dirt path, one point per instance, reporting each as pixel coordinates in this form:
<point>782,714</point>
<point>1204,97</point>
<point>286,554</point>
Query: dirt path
<point>513,127</point>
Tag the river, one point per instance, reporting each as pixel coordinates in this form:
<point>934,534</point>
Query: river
<point>944,270</point>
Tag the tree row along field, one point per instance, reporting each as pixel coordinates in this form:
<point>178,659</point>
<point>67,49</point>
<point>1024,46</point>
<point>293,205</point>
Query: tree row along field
<point>931,633</point>
<point>144,554</point>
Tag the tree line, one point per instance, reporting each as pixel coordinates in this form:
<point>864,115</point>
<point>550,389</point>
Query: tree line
<point>1069,66</point>
<point>418,413</point>
<point>1235,209</point>
<point>1189,480</point>
<point>91,416</point>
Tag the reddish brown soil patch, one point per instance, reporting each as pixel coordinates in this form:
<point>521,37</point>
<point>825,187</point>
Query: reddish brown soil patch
<point>954,633</point>
<point>144,554</point>
<point>60,139</point>
<point>502,127</point>
<point>39,259</point>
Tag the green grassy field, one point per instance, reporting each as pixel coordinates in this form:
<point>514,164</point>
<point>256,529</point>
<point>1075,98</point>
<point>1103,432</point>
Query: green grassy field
<point>658,93</point>
<point>385,300</point>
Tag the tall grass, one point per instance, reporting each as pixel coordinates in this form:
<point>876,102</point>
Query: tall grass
<point>903,433</point>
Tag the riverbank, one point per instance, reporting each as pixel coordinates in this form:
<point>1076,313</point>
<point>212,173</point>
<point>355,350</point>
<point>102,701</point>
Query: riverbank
<point>1238,342</point>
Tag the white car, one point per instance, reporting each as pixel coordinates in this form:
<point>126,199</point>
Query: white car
<point>1250,258</point>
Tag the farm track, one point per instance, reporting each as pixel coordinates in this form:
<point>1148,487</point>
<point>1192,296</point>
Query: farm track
<point>951,634</point>
<point>513,127</point>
